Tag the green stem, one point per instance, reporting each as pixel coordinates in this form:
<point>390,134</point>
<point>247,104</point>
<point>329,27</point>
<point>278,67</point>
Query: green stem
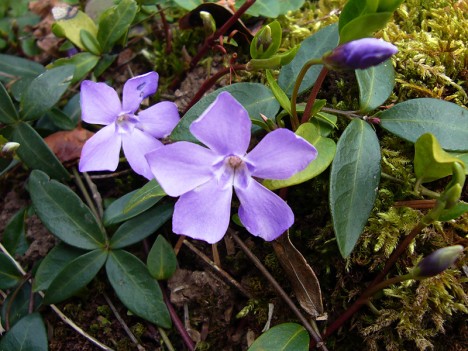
<point>300,77</point>
<point>168,343</point>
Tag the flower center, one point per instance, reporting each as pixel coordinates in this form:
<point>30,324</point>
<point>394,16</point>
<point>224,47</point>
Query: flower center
<point>234,161</point>
<point>126,122</point>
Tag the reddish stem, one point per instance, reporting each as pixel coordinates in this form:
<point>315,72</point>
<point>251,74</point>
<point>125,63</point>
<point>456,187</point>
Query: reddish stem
<point>313,95</point>
<point>167,30</point>
<point>221,31</point>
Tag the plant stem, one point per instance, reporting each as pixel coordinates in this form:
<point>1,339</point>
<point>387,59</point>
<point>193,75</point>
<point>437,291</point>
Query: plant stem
<point>210,40</point>
<point>85,193</point>
<point>313,95</point>
<point>167,30</point>
<point>166,339</point>
<point>280,291</point>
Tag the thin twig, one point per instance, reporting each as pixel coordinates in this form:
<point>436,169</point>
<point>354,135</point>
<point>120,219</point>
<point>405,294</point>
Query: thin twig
<point>96,195</point>
<point>219,270</point>
<point>280,292</point>
<point>122,322</point>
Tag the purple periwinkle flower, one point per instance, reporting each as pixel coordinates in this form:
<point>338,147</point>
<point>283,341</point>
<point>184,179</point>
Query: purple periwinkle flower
<point>204,177</point>
<point>136,133</point>
<point>437,262</point>
<point>359,54</point>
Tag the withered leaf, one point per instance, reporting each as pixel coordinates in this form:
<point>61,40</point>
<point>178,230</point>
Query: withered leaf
<point>67,145</point>
<point>301,276</point>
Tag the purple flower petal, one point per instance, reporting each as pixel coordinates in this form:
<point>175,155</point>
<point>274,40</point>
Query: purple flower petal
<point>159,120</point>
<point>280,154</point>
<point>224,126</point>
<point>101,151</point>
<point>135,147</point>
<point>204,212</point>
<point>182,166</point>
<point>100,103</point>
<point>138,88</point>
<point>262,212</point>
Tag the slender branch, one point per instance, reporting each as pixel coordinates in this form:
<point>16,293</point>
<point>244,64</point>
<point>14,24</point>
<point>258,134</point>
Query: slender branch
<point>313,95</point>
<point>167,29</point>
<point>280,291</point>
<point>221,31</point>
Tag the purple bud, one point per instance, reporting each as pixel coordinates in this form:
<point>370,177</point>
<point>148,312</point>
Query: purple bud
<point>437,262</point>
<point>359,54</point>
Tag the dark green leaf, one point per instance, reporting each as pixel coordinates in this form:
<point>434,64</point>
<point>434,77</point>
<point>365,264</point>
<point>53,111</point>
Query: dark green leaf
<point>364,26</point>
<point>188,4</point>
<point>13,67</point>
<point>447,121</point>
<point>35,153</point>
<point>14,235</point>
<point>354,179</point>
<point>283,337</point>
<point>53,263</point>
<point>314,46</point>
<point>454,212</point>
<point>73,109</point>
<point>83,62</point>
<point>256,98</point>
<point>138,228</point>
<point>90,42</point>
<point>135,287</point>
<point>115,22</point>
<point>60,119</point>
<point>9,274</point>
<point>28,334</point>
<point>8,113</point>
<point>75,276</point>
<point>104,64</point>
<point>64,214</point>
<point>150,190</point>
<point>280,95</point>
<point>375,85</point>
<point>272,9</point>
<point>162,261</point>
<point>45,91</point>
<point>16,306</point>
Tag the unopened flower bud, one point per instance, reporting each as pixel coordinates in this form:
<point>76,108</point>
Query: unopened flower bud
<point>9,148</point>
<point>209,23</point>
<point>359,54</point>
<point>437,262</point>
<point>264,39</point>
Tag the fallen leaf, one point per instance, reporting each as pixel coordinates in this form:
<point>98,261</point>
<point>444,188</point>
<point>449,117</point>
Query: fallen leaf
<point>67,145</point>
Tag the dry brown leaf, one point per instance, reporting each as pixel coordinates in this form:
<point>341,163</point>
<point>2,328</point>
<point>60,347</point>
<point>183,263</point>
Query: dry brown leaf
<point>301,276</point>
<point>67,145</point>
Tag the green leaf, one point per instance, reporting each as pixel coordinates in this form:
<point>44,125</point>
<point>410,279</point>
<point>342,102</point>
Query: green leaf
<point>75,276</point>
<point>90,42</point>
<point>53,263</point>
<point>60,119</point>
<point>45,91</point>
<point>83,62</point>
<point>326,151</point>
<point>103,64</point>
<point>71,28</point>
<point>115,22</point>
<point>16,306</point>
<point>314,46</point>
<point>8,113</point>
<point>117,211</point>
<point>280,95</point>
<point>14,235</point>
<point>256,99</point>
<point>352,10</point>
<point>188,5</point>
<point>141,226</point>
<point>431,162</point>
<point>447,121</point>
<point>364,26</point>
<point>454,212</point>
<point>136,288</point>
<point>271,9</point>
<point>354,179</point>
<point>9,274</point>
<point>162,261</point>
<point>283,337</point>
<point>258,51</point>
<point>150,190</point>
<point>375,85</point>
<point>28,334</point>
<point>14,67</point>
<point>64,214</point>
<point>35,153</point>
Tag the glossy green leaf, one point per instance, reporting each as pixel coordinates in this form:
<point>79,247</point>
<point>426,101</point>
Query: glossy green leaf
<point>431,162</point>
<point>28,334</point>
<point>117,211</point>
<point>83,62</point>
<point>73,109</point>
<point>314,46</point>
<point>8,113</point>
<point>14,235</point>
<point>53,263</point>
<point>75,276</point>
<point>90,42</point>
<point>14,67</point>
<point>140,227</point>
<point>70,28</point>
<point>45,91</point>
<point>9,274</point>
<point>283,337</point>
<point>375,85</point>
<point>162,261</point>
<point>150,190</point>
<point>271,8</point>
<point>60,119</point>
<point>136,288</point>
<point>463,156</point>
<point>364,26</point>
<point>115,22</point>
<point>16,306</point>
<point>354,179</point>
<point>188,5</point>
<point>35,153</point>
<point>256,98</point>
<point>326,151</point>
<point>447,121</point>
<point>64,214</point>
<point>452,213</point>
<point>280,95</point>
